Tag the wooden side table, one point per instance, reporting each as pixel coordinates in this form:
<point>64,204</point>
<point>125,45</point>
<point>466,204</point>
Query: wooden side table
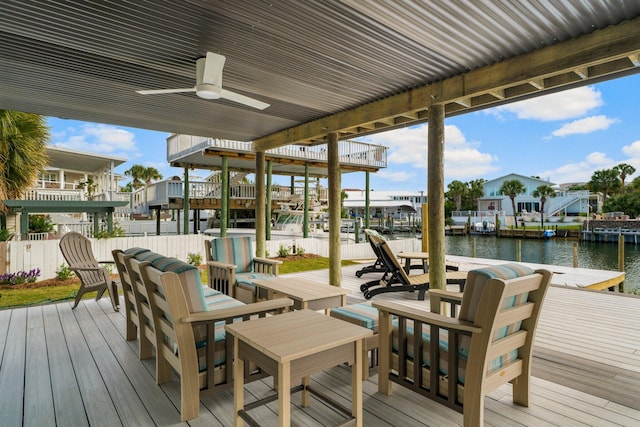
<point>290,347</point>
<point>423,257</point>
<point>305,293</point>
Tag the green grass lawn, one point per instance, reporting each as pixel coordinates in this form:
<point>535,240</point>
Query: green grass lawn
<point>44,295</point>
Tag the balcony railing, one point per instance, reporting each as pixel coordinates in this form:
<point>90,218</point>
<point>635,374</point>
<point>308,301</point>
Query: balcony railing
<point>350,152</point>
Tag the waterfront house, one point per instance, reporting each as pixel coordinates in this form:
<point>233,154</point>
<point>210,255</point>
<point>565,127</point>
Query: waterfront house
<point>73,188</point>
<point>577,203</point>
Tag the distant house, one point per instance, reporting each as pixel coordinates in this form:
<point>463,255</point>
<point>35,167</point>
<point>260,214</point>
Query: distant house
<point>571,203</point>
<point>399,204</point>
<point>74,184</point>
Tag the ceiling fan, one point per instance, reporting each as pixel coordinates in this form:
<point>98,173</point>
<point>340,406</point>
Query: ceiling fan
<point>209,83</point>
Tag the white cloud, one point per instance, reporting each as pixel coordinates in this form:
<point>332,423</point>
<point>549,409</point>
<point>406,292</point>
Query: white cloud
<point>98,138</point>
<point>580,171</point>
<point>563,105</point>
<point>586,125</point>
<point>400,176</point>
<point>632,150</point>
<point>408,148</point>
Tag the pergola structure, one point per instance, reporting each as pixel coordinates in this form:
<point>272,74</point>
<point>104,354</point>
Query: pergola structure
<point>329,69</point>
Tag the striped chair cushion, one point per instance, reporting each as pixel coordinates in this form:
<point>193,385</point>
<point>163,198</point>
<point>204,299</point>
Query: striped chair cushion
<point>234,250</point>
<point>362,314</point>
<point>476,281</point>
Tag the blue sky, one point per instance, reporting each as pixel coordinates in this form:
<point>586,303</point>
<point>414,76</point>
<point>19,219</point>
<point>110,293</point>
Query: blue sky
<point>562,137</point>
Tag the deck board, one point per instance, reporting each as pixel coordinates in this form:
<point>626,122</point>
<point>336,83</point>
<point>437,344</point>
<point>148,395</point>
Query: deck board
<point>68,407</point>
<point>38,400</point>
<point>74,367</point>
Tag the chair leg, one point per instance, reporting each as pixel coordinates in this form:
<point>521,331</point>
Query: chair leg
<point>100,292</point>
<point>113,293</point>
<point>78,297</point>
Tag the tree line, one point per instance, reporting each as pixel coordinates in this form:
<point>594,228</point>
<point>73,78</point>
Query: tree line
<point>611,183</point>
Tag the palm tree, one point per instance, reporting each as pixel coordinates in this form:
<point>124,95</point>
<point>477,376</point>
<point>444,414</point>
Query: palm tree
<point>605,181</point>
<point>511,188</point>
<point>136,172</point>
<point>624,170</point>
<point>543,192</point>
<point>23,152</point>
<point>142,175</point>
<point>476,190</point>
<point>150,174</point>
<point>456,190</point>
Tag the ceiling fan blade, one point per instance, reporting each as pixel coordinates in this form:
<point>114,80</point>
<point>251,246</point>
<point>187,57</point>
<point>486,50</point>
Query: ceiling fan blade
<point>157,91</point>
<point>211,68</point>
<point>241,99</point>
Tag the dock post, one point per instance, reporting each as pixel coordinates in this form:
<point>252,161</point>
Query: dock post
<point>575,255</point>
<point>519,250</point>
<point>621,259</point>
<point>473,247</point>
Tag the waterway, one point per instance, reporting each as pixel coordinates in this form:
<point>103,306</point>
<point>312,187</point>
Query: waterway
<point>601,256</point>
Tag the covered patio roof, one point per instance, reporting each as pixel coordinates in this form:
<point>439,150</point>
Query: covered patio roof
<point>351,67</point>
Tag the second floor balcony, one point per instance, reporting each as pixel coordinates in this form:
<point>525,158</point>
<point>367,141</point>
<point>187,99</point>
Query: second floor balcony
<point>206,153</point>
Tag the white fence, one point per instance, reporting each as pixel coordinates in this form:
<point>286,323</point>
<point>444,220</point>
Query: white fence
<point>45,254</point>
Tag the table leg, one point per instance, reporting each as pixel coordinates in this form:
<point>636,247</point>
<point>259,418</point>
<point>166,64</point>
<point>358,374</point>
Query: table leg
<point>305,395</point>
<point>407,265</point>
<point>284,394</point>
<point>356,383</point>
<point>238,385</point>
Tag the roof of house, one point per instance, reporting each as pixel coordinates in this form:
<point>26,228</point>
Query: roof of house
<point>519,177</point>
<point>66,159</point>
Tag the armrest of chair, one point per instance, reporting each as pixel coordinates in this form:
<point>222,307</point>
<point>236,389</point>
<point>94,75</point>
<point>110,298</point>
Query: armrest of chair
<point>391,308</point>
<point>222,277</point>
<point>439,296</point>
<point>266,265</point>
<point>239,311</point>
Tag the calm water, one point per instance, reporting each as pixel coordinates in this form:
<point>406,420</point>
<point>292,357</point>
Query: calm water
<point>601,256</point>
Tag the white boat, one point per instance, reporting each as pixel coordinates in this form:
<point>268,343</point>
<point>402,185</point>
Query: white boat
<point>484,227</point>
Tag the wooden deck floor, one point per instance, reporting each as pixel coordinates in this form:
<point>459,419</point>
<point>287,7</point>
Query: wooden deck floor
<point>73,367</point>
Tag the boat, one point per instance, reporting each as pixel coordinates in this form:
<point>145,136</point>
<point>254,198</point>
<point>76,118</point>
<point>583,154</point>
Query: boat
<point>484,227</point>
<point>548,233</point>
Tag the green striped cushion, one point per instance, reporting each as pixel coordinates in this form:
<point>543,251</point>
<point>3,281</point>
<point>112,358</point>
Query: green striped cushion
<point>477,280</point>
<point>135,251</point>
<point>234,250</point>
<point>362,314</point>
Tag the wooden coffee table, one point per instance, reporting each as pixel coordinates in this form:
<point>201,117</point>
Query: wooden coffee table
<point>292,346</point>
<point>305,293</point>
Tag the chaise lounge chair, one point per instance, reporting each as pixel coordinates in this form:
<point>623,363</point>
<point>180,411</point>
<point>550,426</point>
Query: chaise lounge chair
<point>398,280</point>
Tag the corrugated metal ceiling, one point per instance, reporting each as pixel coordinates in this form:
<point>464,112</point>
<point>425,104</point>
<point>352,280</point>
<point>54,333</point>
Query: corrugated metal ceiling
<point>308,59</point>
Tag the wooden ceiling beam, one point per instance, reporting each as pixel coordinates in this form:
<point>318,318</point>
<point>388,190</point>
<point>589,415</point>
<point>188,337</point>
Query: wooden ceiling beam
<point>602,52</point>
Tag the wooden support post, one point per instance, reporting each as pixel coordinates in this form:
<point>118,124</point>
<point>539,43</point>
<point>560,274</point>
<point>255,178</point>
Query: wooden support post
<point>367,200</point>
<point>260,204</point>
<point>185,201</point>
<point>224,197</point>
<point>519,250</point>
<point>575,255</point>
<point>305,217</point>
<point>335,257</point>
<point>435,191</point>
<point>425,227</point>
<point>267,223</point>
<point>473,247</point>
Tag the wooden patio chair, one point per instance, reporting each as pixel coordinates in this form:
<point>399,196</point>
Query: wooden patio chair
<point>139,320</point>
<point>398,280</point>
<point>493,338</point>
<point>187,330</point>
<point>232,267</point>
<point>77,251</point>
